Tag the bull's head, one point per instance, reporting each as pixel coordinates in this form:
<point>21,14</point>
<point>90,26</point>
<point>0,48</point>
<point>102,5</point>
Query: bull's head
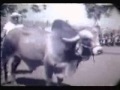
<point>88,43</point>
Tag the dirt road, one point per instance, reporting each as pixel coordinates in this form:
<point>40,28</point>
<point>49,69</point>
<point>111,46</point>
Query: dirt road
<point>104,72</point>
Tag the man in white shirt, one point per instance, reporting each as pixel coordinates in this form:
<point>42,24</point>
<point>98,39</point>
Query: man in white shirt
<point>15,21</point>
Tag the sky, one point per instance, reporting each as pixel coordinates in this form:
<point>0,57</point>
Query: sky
<point>73,12</point>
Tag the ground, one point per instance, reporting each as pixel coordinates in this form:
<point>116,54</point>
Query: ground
<point>104,72</point>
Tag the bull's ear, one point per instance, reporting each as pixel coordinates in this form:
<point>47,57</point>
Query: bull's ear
<point>74,39</point>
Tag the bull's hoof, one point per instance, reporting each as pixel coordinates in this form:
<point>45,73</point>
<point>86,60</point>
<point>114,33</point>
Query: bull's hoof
<point>9,80</point>
<point>14,83</point>
<point>59,80</point>
<point>10,84</point>
<point>5,82</point>
<point>49,84</point>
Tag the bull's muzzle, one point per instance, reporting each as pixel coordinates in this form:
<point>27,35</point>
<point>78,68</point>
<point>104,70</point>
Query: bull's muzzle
<point>97,50</point>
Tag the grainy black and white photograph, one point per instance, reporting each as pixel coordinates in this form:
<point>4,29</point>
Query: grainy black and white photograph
<point>60,44</point>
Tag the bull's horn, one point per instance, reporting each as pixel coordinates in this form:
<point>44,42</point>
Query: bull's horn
<point>77,37</point>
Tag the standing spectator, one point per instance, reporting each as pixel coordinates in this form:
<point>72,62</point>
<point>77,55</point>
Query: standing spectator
<point>15,21</point>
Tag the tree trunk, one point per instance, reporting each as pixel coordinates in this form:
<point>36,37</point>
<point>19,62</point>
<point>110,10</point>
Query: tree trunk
<point>96,22</point>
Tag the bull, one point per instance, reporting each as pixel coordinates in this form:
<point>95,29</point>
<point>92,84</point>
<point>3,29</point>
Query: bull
<point>55,50</point>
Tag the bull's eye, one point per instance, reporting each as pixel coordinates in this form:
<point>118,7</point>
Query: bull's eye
<point>86,41</point>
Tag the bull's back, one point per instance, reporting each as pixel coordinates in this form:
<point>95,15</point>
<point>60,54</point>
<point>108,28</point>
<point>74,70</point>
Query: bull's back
<point>29,43</point>
<point>9,44</point>
<point>32,47</point>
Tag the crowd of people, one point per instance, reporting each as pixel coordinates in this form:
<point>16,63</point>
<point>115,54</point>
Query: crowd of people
<point>110,40</point>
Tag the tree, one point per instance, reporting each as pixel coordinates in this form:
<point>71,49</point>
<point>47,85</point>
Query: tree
<point>23,12</point>
<point>7,9</point>
<point>44,6</point>
<point>35,8</point>
<point>95,11</point>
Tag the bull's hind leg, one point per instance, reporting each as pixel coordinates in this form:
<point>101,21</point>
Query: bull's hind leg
<point>59,81</point>
<point>5,69</point>
<point>15,63</point>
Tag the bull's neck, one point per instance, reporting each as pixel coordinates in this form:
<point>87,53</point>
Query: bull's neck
<point>70,53</point>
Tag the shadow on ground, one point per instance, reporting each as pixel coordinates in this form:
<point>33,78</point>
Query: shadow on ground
<point>23,71</point>
<point>118,84</point>
<point>34,82</point>
<point>29,81</point>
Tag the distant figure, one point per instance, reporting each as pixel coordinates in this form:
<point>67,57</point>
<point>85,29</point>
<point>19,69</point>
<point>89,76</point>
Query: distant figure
<point>48,29</point>
<point>102,41</point>
<point>117,40</point>
<point>106,40</point>
<point>110,41</point>
<point>15,21</point>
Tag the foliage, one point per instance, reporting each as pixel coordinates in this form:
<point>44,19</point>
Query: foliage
<point>35,8</point>
<point>44,6</point>
<point>23,12</point>
<point>5,9</point>
<point>8,9</point>
<point>95,11</point>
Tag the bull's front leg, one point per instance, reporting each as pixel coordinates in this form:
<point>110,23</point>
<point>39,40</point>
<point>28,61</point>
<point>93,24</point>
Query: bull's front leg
<point>59,80</point>
<point>60,72</point>
<point>49,74</point>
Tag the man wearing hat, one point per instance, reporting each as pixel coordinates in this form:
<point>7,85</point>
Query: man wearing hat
<point>15,21</point>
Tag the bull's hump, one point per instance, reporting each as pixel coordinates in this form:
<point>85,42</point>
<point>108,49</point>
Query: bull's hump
<point>60,24</point>
<point>63,29</point>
